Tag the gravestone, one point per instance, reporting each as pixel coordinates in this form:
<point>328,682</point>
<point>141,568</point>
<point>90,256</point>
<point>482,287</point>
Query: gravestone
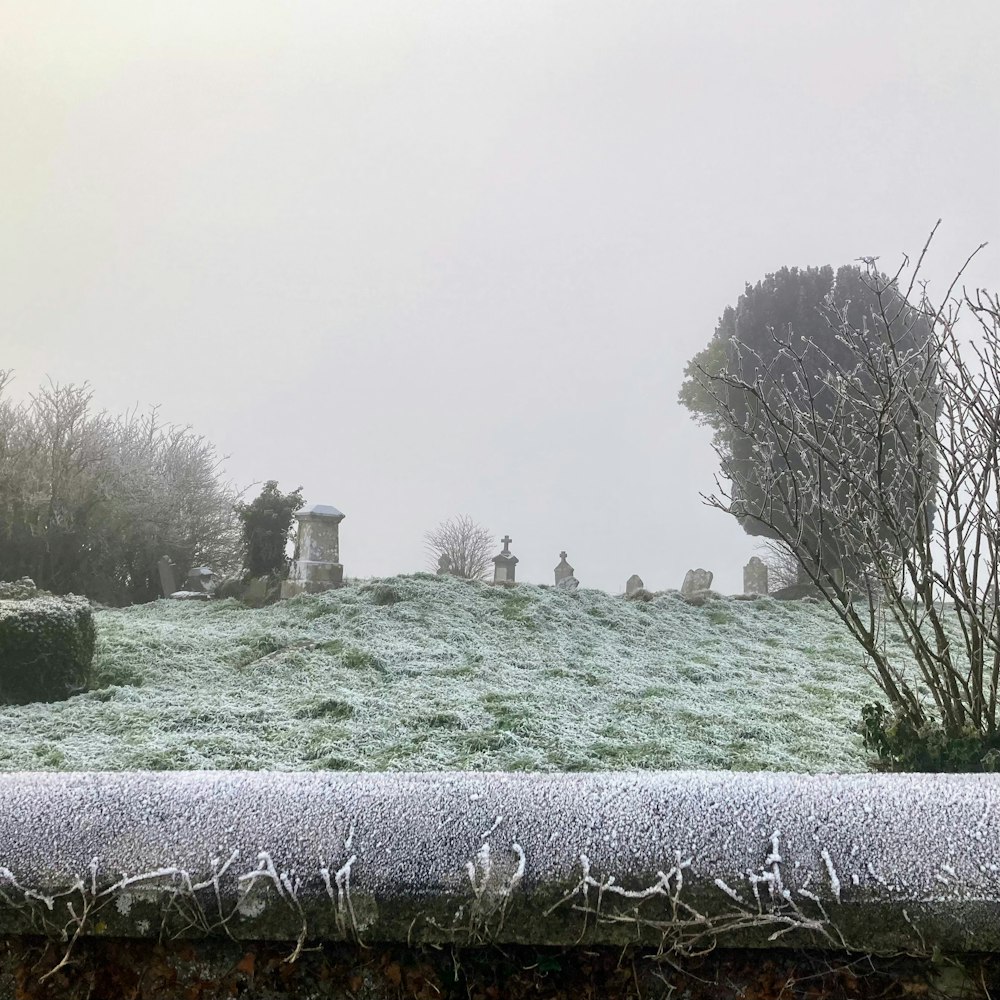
<point>316,566</point>
<point>199,580</point>
<point>168,576</point>
<point>633,584</point>
<point>255,593</point>
<point>563,571</point>
<point>444,564</point>
<point>695,580</point>
<point>504,564</point>
<point>755,576</point>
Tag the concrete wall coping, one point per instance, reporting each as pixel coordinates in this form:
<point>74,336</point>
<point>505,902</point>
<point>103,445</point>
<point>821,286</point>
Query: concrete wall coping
<point>682,860</point>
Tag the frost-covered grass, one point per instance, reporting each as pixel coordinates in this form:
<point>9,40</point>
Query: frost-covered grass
<point>430,673</point>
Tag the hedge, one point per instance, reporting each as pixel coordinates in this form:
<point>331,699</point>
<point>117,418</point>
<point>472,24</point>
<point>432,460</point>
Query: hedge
<point>46,648</point>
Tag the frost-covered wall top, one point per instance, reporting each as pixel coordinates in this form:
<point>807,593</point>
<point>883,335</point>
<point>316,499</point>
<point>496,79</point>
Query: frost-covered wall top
<point>684,859</point>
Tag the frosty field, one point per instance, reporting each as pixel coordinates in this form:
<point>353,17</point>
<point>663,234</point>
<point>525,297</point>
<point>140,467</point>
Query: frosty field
<point>431,673</point>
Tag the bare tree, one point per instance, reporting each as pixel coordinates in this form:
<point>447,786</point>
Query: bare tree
<point>90,501</point>
<point>888,469</point>
<point>468,546</point>
<point>782,566</point>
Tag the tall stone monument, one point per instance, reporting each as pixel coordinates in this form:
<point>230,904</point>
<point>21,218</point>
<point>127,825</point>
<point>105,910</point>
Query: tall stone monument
<point>633,585</point>
<point>755,576</point>
<point>505,563</point>
<point>317,564</point>
<point>168,576</point>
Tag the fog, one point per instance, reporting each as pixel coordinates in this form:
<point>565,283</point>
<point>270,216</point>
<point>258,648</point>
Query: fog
<point>425,259</point>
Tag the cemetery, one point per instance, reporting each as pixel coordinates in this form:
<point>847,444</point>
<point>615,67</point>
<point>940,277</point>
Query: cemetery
<point>428,762</point>
<point>622,619</point>
<point>460,781</point>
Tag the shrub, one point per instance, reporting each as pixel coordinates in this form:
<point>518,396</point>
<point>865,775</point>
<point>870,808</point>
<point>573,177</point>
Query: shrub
<point>19,590</point>
<point>46,648</point>
<point>898,745</point>
<point>89,501</point>
<point>266,523</point>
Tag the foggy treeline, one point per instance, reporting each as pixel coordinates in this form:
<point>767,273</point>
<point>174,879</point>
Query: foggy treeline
<point>89,501</point>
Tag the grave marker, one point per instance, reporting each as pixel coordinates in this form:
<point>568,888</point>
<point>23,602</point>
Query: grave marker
<point>504,564</point>
<point>168,577</point>
<point>755,576</point>
<point>695,580</point>
<point>317,565</point>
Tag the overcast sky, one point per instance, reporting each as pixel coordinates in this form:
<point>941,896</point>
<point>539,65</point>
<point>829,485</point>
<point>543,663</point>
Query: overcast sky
<point>430,258</point>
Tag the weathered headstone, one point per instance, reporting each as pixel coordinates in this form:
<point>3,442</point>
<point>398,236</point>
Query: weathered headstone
<point>168,576</point>
<point>633,584</point>
<point>755,576</point>
<point>255,593</point>
<point>563,571</point>
<point>444,564</point>
<point>199,580</point>
<point>695,580</point>
<point>317,564</point>
<point>505,563</point>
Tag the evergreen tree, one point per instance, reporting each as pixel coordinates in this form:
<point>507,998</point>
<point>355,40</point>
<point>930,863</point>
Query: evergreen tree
<point>789,315</point>
<point>266,524</point>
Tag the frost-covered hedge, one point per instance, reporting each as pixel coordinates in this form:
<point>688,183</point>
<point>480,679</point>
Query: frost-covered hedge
<point>46,648</point>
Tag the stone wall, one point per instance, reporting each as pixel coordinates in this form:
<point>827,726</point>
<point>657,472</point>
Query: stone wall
<point>678,861</point>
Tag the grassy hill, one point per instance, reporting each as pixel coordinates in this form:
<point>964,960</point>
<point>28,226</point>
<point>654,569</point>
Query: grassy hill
<point>431,673</point>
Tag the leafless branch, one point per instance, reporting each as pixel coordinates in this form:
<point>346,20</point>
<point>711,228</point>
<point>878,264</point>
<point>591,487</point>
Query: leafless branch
<point>468,547</point>
<point>881,475</point>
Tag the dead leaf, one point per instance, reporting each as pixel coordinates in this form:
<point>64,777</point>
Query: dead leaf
<point>247,964</point>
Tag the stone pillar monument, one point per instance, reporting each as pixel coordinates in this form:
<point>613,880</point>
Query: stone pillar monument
<point>755,576</point>
<point>317,566</point>
<point>504,564</point>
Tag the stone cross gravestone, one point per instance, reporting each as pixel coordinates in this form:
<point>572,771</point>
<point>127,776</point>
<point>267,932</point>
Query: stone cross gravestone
<point>695,580</point>
<point>634,584</point>
<point>755,576</point>
<point>563,571</point>
<point>168,576</point>
<point>504,564</point>
<point>317,564</point>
